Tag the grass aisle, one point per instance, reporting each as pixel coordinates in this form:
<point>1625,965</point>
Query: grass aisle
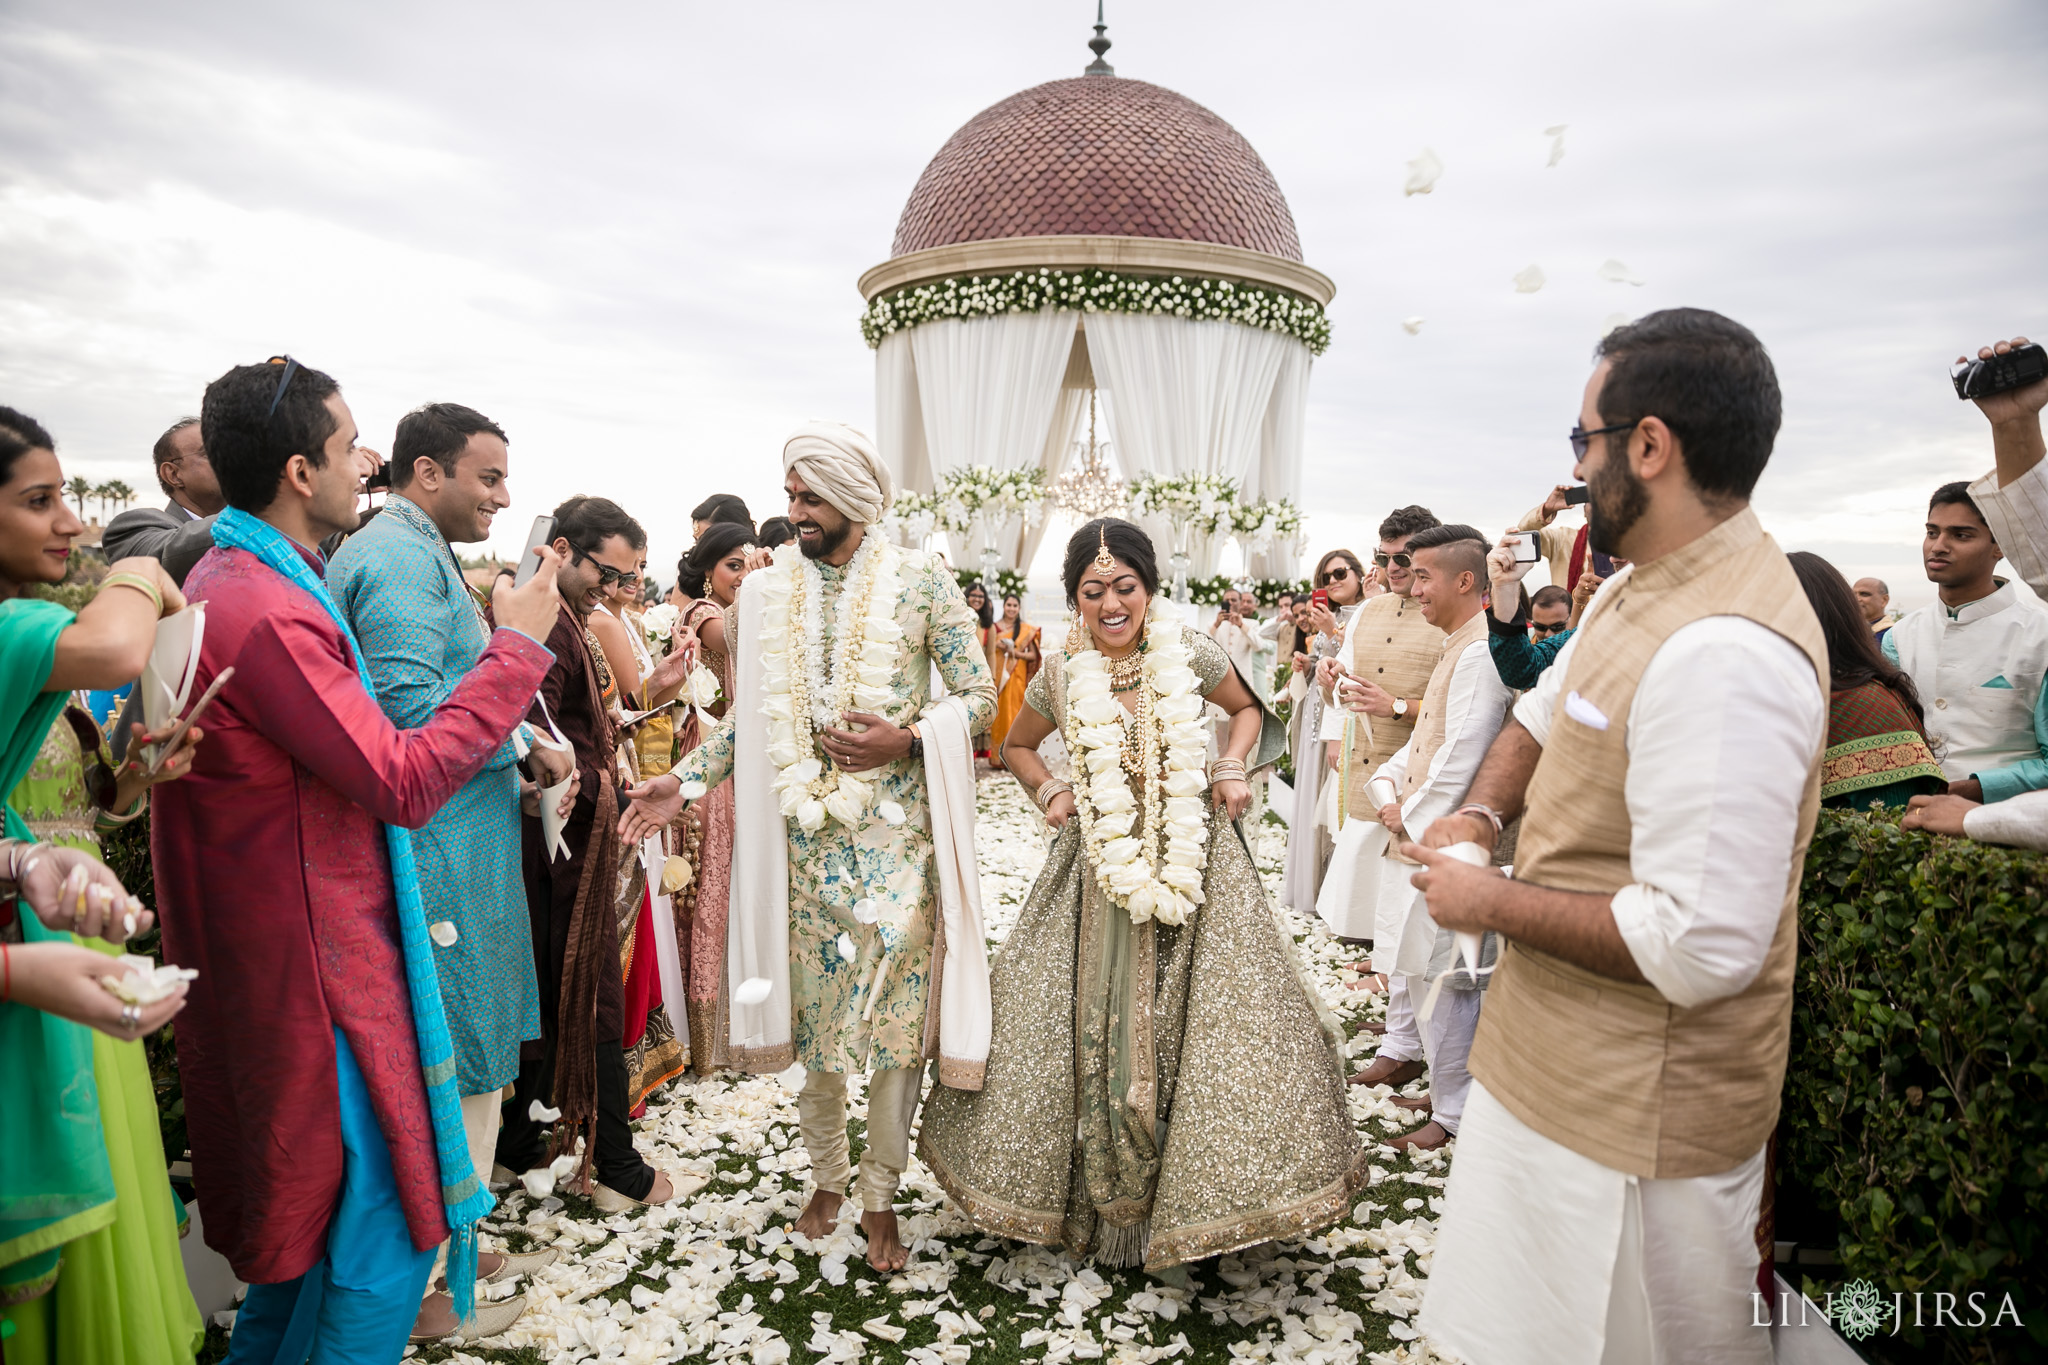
<point>719,1278</point>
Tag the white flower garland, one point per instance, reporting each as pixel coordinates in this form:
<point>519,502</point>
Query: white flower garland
<point>1093,290</point>
<point>803,697</point>
<point>1156,874</point>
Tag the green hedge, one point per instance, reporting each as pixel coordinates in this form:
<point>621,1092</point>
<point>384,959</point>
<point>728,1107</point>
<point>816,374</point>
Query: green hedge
<point>1916,1100</point>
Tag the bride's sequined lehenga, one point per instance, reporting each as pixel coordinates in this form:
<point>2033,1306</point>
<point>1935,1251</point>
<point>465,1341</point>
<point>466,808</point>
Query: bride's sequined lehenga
<point>1155,1094</point>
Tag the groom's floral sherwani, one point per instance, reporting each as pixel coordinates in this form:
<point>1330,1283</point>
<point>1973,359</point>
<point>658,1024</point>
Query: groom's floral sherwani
<point>832,867</point>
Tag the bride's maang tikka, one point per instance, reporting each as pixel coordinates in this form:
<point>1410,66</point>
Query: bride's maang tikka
<point>1105,562</point>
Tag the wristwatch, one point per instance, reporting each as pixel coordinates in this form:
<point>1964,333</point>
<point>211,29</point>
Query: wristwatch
<point>1400,707</point>
<point>916,742</point>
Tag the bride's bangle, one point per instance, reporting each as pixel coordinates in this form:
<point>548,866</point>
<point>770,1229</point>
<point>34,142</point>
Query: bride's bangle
<point>1048,789</point>
<point>1227,770</point>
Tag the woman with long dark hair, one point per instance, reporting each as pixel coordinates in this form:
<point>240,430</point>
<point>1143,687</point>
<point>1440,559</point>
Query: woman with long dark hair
<point>1014,661</point>
<point>1150,1022</point>
<point>985,632</point>
<point>1877,752</point>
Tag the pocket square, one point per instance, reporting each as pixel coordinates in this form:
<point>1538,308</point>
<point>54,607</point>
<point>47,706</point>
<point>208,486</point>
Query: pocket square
<point>1584,712</point>
<point>1999,681</point>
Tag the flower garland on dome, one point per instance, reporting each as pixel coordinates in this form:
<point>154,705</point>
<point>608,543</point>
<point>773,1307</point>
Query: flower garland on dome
<point>1156,874</point>
<point>804,695</point>
<point>1093,290</point>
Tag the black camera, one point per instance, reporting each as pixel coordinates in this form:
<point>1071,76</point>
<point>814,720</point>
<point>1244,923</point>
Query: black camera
<point>2016,369</point>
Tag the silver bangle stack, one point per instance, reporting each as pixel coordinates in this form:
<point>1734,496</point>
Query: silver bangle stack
<point>1048,789</point>
<point>1227,770</point>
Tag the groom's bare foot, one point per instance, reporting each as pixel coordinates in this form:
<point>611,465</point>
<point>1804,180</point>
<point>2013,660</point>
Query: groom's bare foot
<point>820,1214</point>
<point>886,1252</point>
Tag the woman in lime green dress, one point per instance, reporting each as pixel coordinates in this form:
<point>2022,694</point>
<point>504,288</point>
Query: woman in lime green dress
<point>90,1268</point>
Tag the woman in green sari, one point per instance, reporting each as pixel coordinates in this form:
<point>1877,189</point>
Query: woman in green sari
<point>89,1262</point>
<point>1152,1033</point>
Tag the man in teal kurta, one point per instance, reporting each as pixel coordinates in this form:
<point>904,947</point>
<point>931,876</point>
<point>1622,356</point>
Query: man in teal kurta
<point>421,629</point>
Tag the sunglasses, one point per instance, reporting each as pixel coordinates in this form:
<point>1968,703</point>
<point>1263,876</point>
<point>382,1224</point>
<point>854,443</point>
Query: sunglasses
<point>284,381</point>
<point>1399,561</point>
<point>607,576</point>
<point>1336,575</point>
<point>1538,628</point>
<point>1583,439</point>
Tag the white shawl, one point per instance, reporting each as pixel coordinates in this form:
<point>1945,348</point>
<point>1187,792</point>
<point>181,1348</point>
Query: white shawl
<point>957,1014</point>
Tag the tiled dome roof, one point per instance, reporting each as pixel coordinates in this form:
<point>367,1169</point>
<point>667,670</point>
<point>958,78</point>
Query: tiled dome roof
<point>1098,156</point>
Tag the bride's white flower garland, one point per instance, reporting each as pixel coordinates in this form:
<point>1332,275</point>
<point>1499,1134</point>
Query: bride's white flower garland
<point>1156,874</point>
<point>802,696</point>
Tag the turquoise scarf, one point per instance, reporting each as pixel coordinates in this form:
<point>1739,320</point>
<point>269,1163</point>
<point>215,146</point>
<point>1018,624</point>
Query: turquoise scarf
<point>466,1198</point>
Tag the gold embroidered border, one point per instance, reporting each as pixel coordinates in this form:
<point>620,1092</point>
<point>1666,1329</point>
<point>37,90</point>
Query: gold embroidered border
<point>761,1060</point>
<point>990,1214</point>
<point>1226,1235</point>
<point>959,1075</point>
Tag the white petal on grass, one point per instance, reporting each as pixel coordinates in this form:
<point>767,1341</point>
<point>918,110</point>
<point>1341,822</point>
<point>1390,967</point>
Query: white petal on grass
<point>1411,325</point>
<point>1615,271</point>
<point>1423,173</point>
<point>1556,135</point>
<point>752,991</point>
<point>1529,279</point>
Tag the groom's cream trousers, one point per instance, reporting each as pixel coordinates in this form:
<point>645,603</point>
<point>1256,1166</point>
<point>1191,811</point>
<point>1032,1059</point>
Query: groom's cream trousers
<point>821,1115</point>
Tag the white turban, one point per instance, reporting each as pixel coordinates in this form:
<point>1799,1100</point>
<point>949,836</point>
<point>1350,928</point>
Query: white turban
<point>843,467</point>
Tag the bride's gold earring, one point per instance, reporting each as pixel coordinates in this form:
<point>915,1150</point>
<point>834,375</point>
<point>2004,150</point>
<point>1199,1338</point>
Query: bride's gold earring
<point>1077,638</point>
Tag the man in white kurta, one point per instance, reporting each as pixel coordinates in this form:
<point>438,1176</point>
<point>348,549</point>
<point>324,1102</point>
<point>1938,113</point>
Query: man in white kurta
<point>1430,774</point>
<point>1669,765</point>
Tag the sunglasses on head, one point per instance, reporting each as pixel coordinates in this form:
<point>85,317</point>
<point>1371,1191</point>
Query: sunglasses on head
<point>284,381</point>
<point>1582,439</point>
<point>1399,561</point>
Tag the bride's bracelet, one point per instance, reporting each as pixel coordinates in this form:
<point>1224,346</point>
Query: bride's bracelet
<point>1048,789</point>
<point>1227,770</point>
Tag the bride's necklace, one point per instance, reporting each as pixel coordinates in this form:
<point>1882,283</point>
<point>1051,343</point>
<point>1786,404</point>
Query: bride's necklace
<point>1127,672</point>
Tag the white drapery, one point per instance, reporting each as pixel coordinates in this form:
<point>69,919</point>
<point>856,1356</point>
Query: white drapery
<point>1181,396</point>
<point>1190,398</point>
<point>987,388</point>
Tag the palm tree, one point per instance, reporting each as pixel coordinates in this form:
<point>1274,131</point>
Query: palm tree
<point>80,488</point>
<point>120,493</point>
<point>101,493</point>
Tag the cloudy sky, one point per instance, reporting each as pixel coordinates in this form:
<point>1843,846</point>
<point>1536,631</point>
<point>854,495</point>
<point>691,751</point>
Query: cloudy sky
<point>631,232</point>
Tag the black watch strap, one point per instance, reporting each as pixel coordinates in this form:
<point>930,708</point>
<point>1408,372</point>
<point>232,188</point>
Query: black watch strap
<point>916,743</point>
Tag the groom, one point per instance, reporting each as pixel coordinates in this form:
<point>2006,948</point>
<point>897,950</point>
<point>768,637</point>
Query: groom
<point>853,873</point>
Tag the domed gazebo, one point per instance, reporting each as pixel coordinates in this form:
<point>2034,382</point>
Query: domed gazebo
<point>1097,233</point>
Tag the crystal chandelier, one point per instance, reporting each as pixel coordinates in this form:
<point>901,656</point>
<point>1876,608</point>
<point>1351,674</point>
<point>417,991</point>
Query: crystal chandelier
<point>1090,487</point>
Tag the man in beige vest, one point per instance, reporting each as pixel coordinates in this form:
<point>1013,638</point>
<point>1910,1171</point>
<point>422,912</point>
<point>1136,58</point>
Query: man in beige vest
<point>1393,648</point>
<point>1603,1204</point>
<point>1463,707</point>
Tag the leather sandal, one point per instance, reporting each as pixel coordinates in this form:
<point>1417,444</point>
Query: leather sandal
<point>1389,1071</point>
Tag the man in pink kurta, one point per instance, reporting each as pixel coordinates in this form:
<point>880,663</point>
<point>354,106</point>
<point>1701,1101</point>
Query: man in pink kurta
<point>273,880</point>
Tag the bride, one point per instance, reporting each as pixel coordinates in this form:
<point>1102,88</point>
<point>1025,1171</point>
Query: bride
<point>1161,1086</point>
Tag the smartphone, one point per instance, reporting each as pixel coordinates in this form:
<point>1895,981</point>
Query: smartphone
<point>1525,548</point>
<point>543,533</point>
<point>1321,597</point>
<point>2017,368</point>
<point>1603,565</point>
<point>1576,497</point>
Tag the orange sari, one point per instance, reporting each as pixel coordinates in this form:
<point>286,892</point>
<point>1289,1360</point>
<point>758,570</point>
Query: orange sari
<point>1013,675</point>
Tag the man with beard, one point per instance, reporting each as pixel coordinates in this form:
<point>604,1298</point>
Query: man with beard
<point>854,812</point>
<point>580,1067</point>
<point>1627,1067</point>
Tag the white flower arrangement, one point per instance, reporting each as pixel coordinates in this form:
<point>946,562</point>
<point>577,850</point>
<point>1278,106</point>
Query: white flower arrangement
<point>1266,523</point>
<point>701,687</point>
<point>1203,502</point>
<point>803,696</point>
<point>1099,291</point>
<point>999,495</point>
<point>658,622</point>
<point>1156,874</point>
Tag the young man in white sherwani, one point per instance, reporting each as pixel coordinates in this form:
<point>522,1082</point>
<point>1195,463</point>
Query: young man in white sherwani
<point>1604,1201</point>
<point>1461,711</point>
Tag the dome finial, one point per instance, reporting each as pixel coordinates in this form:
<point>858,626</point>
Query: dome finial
<point>1099,45</point>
